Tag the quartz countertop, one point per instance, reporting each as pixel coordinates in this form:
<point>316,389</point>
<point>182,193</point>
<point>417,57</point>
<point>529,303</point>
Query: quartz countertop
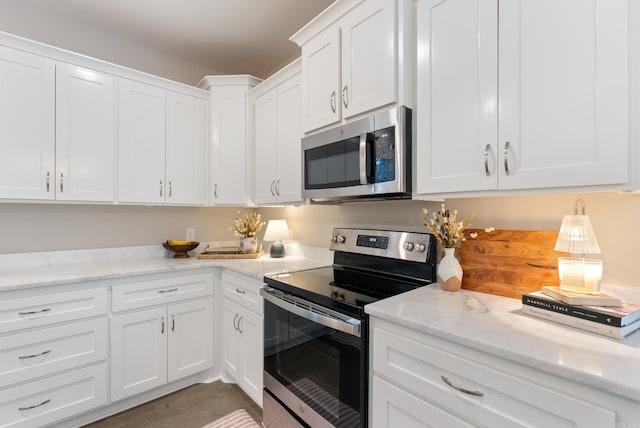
<point>495,325</point>
<point>19,271</point>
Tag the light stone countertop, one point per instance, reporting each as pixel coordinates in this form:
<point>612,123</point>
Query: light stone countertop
<point>28,270</point>
<point>495,325</point>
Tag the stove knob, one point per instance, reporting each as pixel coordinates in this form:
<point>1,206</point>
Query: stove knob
<point>341,239</point>
<point>334,238</point>
<point>420,247</point>
<point>408,246</point>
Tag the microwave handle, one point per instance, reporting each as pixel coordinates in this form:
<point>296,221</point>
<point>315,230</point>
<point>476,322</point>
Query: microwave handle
<point>363,159</point>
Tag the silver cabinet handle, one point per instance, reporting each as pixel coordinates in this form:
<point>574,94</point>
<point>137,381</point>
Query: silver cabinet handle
<point>332,101</point>
<point>162,328</point>
<point>345,96</point>
<point>173,323</point>
<point>235,326</point>
<point>39,311</point>
<point>26,357</point>
<point>160,188</point>
<point>48,181</point>
<point>34,406</point>
<point>170,290</point>
<point>273,182</point>
<point>278,187</point>
<point>240,328</point>
<point>486,160</point>
<point>505,153</point>
<point>215,190</point>
<point>61,182</point>
<point>170,189</point>
<point>239,291</point>
<point>465,390</point>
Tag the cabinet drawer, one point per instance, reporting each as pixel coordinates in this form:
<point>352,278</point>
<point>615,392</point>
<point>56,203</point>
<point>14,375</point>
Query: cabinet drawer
<point>43,352</point>
<point>152,292</point>
<point>244,291</point>
<point>472,387</point>
<point>36,311</point>
<point>45,401</point>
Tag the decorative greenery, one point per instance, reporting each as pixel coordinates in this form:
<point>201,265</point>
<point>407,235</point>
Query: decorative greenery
<point>443,225</point>
<point>247,226</point>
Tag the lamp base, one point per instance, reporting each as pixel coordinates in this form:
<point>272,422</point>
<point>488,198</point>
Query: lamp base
<point>277,250</point>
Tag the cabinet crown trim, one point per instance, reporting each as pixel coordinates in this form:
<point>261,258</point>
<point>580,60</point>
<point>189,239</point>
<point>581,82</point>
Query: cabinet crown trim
<point>326,18</point>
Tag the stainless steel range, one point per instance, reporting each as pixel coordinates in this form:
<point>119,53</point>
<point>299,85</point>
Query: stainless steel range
<point>316,331</point>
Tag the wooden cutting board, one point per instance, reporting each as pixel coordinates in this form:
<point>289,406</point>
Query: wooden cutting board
<point>509,262</point>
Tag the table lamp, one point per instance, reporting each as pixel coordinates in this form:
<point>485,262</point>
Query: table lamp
<point>277,231</point>
<point>578,274</point>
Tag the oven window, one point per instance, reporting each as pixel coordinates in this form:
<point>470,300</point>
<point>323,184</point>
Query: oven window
<point>320,365</point>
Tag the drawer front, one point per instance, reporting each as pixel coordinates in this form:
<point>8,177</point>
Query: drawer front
<point>473,389</point>
<point>49,400</point>
<point>37,311</point>
<point>160,291</point>
<point>43,352</point>
<point>243,290</point>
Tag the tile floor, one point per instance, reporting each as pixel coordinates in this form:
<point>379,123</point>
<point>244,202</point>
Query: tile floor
<point>191,407</point>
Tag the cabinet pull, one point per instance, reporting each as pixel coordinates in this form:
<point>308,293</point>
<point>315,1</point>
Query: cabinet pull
<point>278,187</point>
<point>26,357</point>
<point>215,190</point>
<point>173,323</point>
<point>466,391</point>
<point>345,96</point>
<point>332,101</point>
<point>239,291</point>
<point>48,181</point>
<point>239,328</point>
<point>170,290</point>
<point>486,160</point>
<point>235,326</point>
<point>61,182</point>
<point>39,311</point>
<point>160,188</point>
<point>507,146</point>
<point>34,406</point>
<point>273,182</point>
<point>162,328</point>
<point>170,189</point>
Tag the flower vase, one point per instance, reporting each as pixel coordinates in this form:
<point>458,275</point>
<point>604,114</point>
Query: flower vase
<point>249,245</point>
<point>450,271</point>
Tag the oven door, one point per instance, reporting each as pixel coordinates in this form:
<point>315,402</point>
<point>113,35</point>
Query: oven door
<point>315,362</point>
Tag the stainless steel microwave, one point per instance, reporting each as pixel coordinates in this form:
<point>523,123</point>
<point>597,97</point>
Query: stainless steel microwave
<point>368,158</point>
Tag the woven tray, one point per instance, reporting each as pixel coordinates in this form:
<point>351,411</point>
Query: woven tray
<point>227,253</point>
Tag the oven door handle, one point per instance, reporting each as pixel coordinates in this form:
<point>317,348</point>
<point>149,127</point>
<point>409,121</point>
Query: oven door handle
<point>336,321</point>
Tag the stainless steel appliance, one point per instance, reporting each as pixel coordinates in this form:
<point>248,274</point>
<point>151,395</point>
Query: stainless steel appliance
<point>316,330</point>
<point>368,158</point>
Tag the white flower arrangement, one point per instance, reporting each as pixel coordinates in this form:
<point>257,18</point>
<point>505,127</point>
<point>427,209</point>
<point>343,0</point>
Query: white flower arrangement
<point>446,228</point>
<point>248,226</point>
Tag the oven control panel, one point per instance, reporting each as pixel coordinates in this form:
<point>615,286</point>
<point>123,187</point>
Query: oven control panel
<point>412,246</point>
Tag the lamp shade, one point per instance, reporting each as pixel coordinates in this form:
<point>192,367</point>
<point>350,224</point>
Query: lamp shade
<point>277,230</point>
<point>576,235</point>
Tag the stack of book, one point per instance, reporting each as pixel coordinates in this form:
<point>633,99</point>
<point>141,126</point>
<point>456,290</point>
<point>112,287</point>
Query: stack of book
<point>602,314</point>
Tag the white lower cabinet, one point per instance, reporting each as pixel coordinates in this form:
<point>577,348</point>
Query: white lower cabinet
<point>161,344</point>
<point>419,380</point>
<point>242,333</point>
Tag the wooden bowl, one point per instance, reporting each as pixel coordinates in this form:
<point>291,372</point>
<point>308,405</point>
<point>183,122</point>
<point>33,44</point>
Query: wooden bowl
<point>181,251</point>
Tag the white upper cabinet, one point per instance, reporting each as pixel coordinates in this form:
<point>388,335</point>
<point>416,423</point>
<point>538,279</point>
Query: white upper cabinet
<point>85,144</point>
<point>278,137</point>
<point>522,95</point>
<point>161,150</point>
<point>356,56</point>
<point>27,125</point>
<point>231,154</point>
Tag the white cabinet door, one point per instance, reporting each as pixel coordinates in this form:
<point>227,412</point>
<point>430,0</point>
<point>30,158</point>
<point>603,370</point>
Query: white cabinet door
<point>185,149</point>
<point>289,177</point>
<point>267,147</point>
<point>457,101</point>
<point>85,143</point>
<point>138,352</point>
<point>228,145</point>
<point>27,125</point>
<point>250,327</point>
<point>190,338</point>
<point>563,94</point>
<point>231,338</point>
<point>141,142</point>
<point>321,80</point>
<point>368,57</point>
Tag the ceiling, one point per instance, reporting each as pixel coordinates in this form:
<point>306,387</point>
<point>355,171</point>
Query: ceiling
<point>230,36</point>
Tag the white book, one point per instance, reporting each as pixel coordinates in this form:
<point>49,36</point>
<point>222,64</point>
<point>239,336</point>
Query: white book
<point>594,327</point>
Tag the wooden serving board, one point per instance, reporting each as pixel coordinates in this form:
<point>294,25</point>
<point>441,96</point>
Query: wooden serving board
<point>509,262</point>
<point>227,253</point>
